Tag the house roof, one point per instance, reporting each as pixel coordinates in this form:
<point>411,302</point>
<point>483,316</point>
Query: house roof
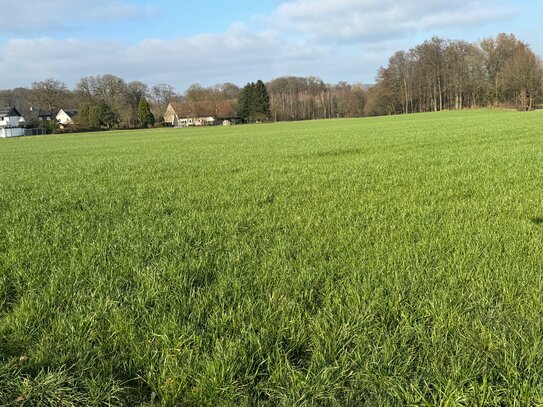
<point>9,111</point>
<point>36,113</point>
<point>220,109</point>
<point>70,113</point>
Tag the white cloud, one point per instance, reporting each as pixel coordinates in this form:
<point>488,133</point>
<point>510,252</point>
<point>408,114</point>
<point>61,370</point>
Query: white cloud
<point>334,39</point>
<point>33,16</point>
<point>374,20</point>
<point>236,55</point>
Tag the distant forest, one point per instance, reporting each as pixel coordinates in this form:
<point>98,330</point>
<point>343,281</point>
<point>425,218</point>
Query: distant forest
<point>438,74</point>
<point>443,74</point>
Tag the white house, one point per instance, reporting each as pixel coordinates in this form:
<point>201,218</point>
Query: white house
<point>184,114</point>
<point>195,121</point>
<point>10,117</point>
<point>11,122</point>
<point>66,117</point>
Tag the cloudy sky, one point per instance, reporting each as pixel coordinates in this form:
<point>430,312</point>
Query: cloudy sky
<point>212,41</point>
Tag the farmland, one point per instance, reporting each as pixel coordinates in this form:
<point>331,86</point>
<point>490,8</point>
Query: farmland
<point>380,261</point>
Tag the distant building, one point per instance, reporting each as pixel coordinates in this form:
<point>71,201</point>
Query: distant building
<point>10,117</point>
<point>11,122</point>
<point>66,117</point>
<point>36,114</point>
<point>184,114</point>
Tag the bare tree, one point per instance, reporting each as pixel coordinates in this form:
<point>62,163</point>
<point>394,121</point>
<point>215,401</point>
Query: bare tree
<point>228,91</point>
<point>197,93</point>
<point>443,74</point>
<point>133,92</point>
<point>497,51</point>
<point>85,88</point>
<point>521,77</point>
<point>162,94</point>
<point>18,97</point>
<point>302,98</point>
<point>49,94</point>
<point>107,88</point>
<point>110,89</point>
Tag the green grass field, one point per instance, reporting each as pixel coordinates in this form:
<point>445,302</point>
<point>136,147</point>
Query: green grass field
<point>382,261</point>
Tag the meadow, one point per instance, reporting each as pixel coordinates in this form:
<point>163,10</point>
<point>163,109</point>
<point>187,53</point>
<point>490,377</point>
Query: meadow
<point>379,261</point>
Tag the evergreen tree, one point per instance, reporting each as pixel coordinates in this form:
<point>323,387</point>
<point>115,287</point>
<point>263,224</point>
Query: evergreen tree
<point>245,100</point>
<point>105,114</point>
<point>254,102</point>
<point>94,115</point>
<point>87,117</point>
<point>260,104</point>
<point>145,117</point>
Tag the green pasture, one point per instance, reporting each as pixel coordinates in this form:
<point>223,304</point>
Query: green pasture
<point>380,261</point>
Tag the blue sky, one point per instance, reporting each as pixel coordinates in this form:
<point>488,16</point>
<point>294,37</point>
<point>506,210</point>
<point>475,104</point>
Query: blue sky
<point>209,41</point>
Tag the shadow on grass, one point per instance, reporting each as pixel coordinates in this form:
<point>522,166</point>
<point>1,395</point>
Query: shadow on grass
<point>537,221</point>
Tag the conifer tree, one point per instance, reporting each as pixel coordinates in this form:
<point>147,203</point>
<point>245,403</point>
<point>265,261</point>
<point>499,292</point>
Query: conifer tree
<point>260,106</point>
<point>95,115</point>
<point>145,117</point>
<point>245,101</point>
<point>254,102</point>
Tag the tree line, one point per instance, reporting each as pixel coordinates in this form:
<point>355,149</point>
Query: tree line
<point>103,101</point>
<point>436,75</point>
<point>453,74</point>
<point>109,101</point>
